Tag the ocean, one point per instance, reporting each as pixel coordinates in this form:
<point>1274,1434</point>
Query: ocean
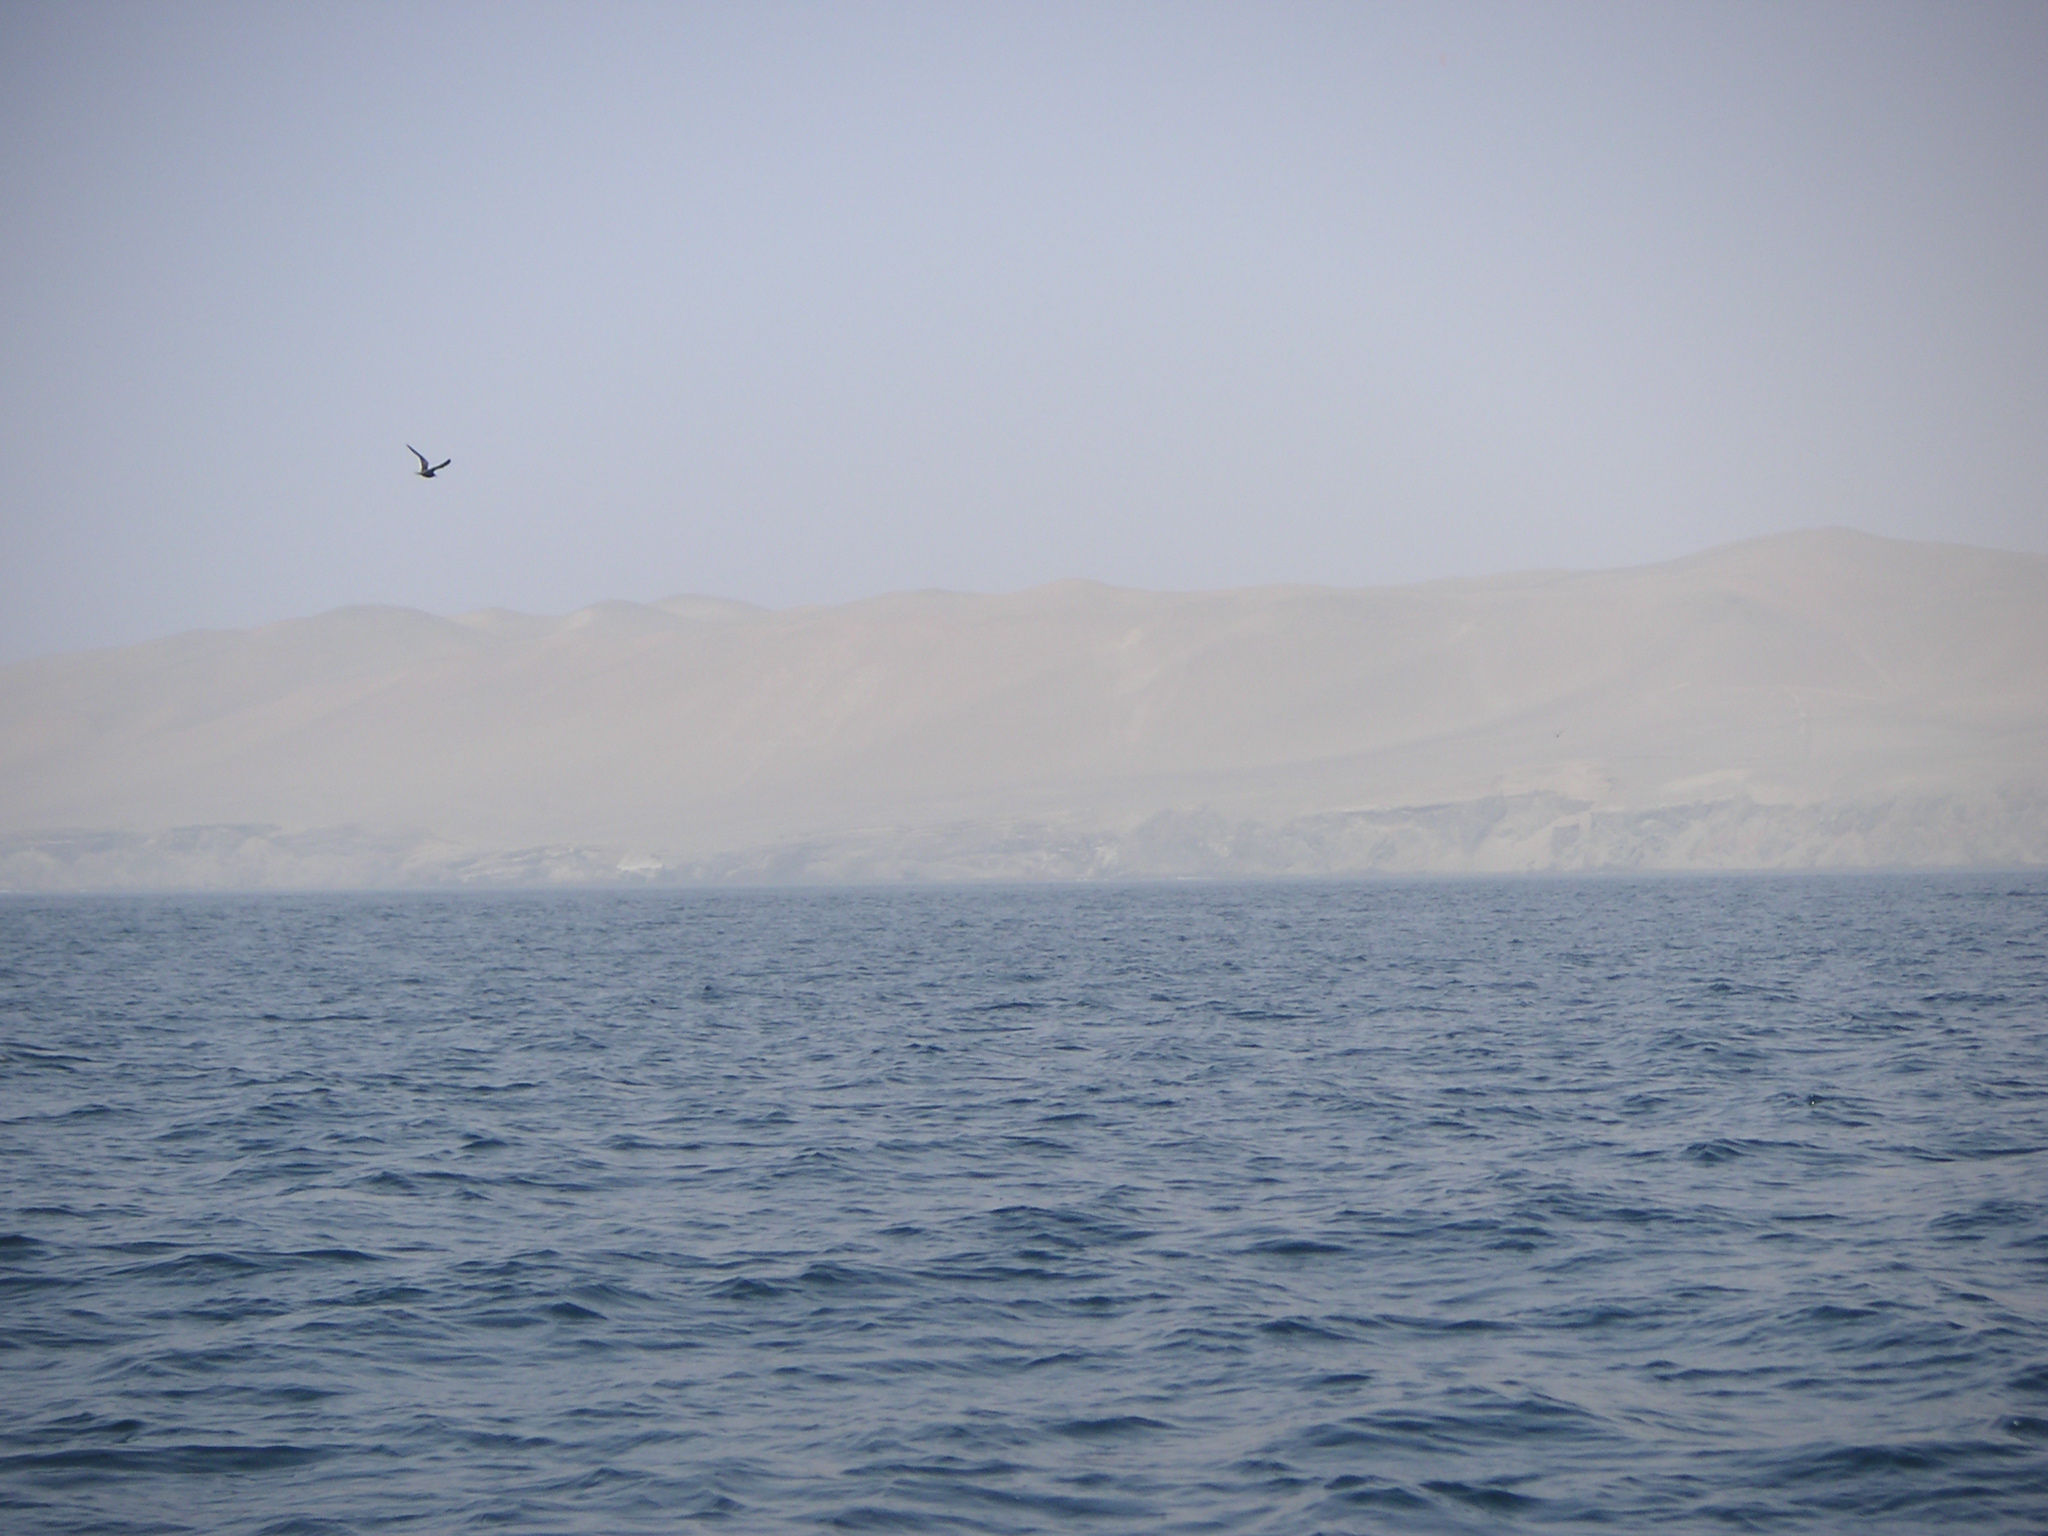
<point>1667,1204</point>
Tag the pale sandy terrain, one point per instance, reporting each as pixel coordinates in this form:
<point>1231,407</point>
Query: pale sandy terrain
<point>1814,699</point>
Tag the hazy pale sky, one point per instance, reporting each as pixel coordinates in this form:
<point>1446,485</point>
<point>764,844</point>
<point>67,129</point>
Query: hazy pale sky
<point>801,303</point>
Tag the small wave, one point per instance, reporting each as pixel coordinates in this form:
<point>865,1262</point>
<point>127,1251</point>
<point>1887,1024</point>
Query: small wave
<point>1858,1463</point>
<point>887,1517</point>
<point>1446,1324</point>
<point>1520,1422</point>
<point>202,1267</point>
<point>30,1058</point>
<point>848,1279</point>
<point>1114,1426</point>
<point>1358,1492</point>
<point>1494,1498</point>
<point>1296,1248</point>
<point>1302,1328</point>
<point>1711,1152</point>
<point>206,1459</point>
<point>2033,1381</point>
<point>742,1288</point>
<point>1075,1230</point>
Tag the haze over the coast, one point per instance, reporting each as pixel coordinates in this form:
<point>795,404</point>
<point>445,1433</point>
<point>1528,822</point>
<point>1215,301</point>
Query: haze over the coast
<point>802,303</point>
<point>1203,381</point>
<point>1823,699</point>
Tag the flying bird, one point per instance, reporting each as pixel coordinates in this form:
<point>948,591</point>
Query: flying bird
<point>427,471</point>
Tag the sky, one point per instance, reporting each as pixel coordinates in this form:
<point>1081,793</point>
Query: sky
<point>801,303</point>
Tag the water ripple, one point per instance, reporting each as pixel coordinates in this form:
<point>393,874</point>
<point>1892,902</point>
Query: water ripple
<point>1673,1205</point>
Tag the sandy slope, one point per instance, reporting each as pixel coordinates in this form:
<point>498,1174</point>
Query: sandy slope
<point>1768,689</point>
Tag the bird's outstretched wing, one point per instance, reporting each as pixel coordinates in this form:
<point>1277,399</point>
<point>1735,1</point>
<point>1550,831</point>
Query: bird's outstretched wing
<point>418,455</point>
<point>442,465</point>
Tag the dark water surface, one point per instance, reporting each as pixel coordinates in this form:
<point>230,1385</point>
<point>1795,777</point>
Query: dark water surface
<point>1672,1205</point>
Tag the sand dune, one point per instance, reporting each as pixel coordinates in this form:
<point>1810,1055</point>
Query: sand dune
<point>1821,698</point>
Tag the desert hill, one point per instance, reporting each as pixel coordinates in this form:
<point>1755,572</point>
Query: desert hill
<point>1811,699</point>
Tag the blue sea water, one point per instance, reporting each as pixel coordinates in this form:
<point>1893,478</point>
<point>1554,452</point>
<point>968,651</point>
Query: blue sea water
<point>1713,1204</point>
